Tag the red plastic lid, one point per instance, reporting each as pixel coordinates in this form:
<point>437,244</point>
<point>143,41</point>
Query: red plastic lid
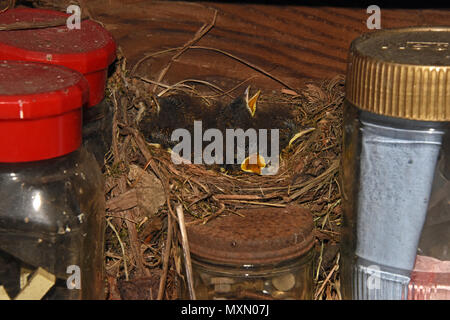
<point>40,110</point>
<point>89,50</point>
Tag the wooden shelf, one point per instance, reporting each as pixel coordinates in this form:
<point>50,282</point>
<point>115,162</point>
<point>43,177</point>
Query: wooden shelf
<point>293,43</point>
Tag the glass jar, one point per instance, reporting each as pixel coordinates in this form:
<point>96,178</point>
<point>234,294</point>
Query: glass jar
<point>89,49</point>
<point>97,129</point>
<point>52,213</point>
<point>290,280</point>
<point>430,278</point>
<point>258,254</point>
<point>396,114</point>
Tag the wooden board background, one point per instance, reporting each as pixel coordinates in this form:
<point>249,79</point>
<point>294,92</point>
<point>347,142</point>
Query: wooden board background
<point>293,43</point>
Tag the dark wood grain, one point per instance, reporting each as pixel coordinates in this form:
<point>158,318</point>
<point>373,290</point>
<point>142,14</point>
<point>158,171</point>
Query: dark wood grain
<point>293,43</point>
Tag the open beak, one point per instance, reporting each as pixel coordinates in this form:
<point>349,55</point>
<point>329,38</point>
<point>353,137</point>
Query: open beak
<point>254,163</point>
<point>251,102</point>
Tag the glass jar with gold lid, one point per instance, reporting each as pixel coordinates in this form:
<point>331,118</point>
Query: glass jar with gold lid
<point>397,113</point>
<point>264,253</point>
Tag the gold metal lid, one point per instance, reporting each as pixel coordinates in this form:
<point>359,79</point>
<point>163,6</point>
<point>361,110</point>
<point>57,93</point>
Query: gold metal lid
<point>403,73</point>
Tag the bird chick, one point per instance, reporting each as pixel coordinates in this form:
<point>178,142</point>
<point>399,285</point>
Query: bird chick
<point>181,110</point>
<point>175,111</point>
<point>239,113</point>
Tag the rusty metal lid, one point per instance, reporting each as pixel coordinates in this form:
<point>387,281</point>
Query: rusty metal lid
<point>259,236</point>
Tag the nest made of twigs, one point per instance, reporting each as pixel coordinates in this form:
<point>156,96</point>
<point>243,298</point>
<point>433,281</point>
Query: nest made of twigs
<point>137,244</point>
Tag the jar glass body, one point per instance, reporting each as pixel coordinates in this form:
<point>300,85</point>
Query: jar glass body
<point>97,129</point>
<point>52,216</point>
<point>288,280</point>
<point>388,168</point>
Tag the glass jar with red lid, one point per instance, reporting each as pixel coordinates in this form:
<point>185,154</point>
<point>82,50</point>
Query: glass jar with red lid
<point>89,50</point>
<point>52,212</point>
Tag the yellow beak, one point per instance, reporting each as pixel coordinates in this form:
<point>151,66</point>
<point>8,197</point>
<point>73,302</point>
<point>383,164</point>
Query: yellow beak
<point>254,163</point>
<point>251,102</point>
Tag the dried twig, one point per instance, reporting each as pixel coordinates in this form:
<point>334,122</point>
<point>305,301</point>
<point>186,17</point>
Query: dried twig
<point>186,251</point>
<point>333,169</point>
<point>121,246</point>
<point>167,250</point>
<point>150,55</point>
<point>206,83</point>
<point>135,246</point>
<point>247,63</point>
<point>258,203</point>
<point>246,196</point>
<point>209,218</point>
<point>198,35</point>
<point>232,56</point>
<point>335,267</point>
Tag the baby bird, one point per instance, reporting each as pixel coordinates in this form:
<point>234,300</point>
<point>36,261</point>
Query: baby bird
<point>174,111</point>
<point>240,113</point>
<point>181,110</point>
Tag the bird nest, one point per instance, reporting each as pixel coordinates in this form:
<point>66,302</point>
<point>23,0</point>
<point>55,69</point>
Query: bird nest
<point>143,242</point>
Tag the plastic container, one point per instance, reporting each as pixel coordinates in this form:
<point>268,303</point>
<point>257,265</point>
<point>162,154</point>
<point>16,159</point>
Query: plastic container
<point>52,212</point>
<point>396,113</point>
<point>89,50</point>
<point>259,254</point>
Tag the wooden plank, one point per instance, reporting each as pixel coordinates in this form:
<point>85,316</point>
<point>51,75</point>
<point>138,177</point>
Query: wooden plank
<point>293,43</point>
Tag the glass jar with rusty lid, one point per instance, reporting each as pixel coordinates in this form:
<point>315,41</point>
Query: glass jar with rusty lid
<point>396,115</point>
<point>264,253</point>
